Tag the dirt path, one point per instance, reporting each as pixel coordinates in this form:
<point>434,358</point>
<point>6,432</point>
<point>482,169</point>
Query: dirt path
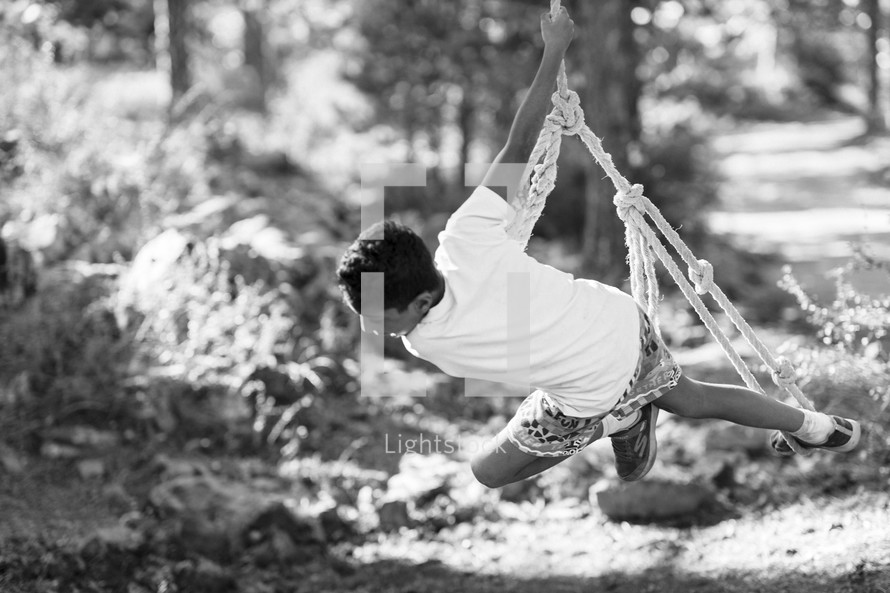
<point>809,191</point>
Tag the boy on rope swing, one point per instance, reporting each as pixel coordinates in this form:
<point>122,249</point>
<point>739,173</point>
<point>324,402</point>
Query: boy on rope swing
<point>598,366</point>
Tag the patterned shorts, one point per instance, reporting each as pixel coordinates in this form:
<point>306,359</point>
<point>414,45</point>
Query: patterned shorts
<point>540,429</point>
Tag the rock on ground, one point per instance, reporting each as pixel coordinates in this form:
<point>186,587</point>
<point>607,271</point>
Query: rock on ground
<point>649,500</point>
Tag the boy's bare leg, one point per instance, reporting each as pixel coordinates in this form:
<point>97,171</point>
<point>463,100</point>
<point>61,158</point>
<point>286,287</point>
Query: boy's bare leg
<point>504,463</point>
<point>696,399</point>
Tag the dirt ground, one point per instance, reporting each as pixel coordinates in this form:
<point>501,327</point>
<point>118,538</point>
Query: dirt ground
<point>816,525</point>
<point>815,545</point>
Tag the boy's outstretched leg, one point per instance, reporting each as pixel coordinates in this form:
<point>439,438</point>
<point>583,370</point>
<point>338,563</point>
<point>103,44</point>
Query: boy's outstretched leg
<point>813,430</point>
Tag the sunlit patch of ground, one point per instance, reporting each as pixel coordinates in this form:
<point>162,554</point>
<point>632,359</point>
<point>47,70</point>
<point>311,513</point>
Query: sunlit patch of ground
<point>813,544</point>
<point>809,191</point>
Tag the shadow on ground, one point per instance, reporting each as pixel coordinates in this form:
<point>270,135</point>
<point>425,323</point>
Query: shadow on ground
<point>435,577</point>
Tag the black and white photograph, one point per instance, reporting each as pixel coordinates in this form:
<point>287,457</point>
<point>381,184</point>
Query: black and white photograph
<point>444,296</point>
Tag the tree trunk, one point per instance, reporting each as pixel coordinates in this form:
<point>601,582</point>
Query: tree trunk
<point>876,122</point>
<point>884,27</point>
<point>171,29</point>
<point>465,114</point>
<point>609,60</point>
<point>255,56</point>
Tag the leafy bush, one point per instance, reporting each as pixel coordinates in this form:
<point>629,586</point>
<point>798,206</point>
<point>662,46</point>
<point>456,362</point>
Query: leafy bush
<point>213,327</point>
<point>93,144</point>
<point>63,356</point>
<point>206,355</point>
<point>207,326</point>
<point>849,370</point>
<point>93,148</point>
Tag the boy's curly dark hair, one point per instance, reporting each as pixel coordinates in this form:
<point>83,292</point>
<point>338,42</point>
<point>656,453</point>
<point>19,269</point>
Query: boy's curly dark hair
<point>401,255</point>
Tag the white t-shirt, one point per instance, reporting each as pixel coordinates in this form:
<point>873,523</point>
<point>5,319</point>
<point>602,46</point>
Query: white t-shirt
<point>583,335</point>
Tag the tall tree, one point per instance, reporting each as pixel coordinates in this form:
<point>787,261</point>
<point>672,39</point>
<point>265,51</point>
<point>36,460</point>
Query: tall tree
<point>255,58</point>
<point>171,33</point>
<point>884,29</point>
<point>876,121</point>
<point>609,98</point>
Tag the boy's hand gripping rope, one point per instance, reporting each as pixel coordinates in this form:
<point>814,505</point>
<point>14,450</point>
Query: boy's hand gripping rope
<point>567,118</point>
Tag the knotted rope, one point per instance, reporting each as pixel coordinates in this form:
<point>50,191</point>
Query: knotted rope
<point>567,118</point>
<point>629,200</point>
<point>702,276</point>
<point>567,113</point>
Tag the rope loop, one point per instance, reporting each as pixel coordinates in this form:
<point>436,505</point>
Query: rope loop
<point>567,113</point>
<point>784,376</point>
<point>631,199</point>
<point>702,276</point>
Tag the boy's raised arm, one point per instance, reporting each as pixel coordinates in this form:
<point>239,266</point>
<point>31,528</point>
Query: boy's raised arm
<point>529,119</point>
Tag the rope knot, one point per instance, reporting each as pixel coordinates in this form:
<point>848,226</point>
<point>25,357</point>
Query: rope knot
<point>784,376</point>
<point>631,199</point>
<point>702,276</point>
<point>567,113</point>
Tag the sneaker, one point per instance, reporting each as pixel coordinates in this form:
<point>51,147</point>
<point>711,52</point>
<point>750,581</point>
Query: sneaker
<point>635,448</point>
<point>844,438</point>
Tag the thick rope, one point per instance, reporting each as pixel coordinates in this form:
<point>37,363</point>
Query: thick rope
<point>567,118</point>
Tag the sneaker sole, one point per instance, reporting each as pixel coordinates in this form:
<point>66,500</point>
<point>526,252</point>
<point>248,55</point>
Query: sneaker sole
<point>653,451</point>
<point>783,449</point>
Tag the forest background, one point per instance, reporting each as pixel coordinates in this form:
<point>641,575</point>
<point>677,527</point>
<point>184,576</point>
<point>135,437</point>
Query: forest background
<point>179,178</point>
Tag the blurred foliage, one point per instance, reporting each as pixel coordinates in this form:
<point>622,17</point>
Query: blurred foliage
<point>95,147</point>
<point>211,327</point>
<point>446,86</point>
<point>63,357</point>
<point>449,82</point>
<point>114,173</point>
<point>88,151</point>
<point>853,322</point>
<point>425,62</point>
